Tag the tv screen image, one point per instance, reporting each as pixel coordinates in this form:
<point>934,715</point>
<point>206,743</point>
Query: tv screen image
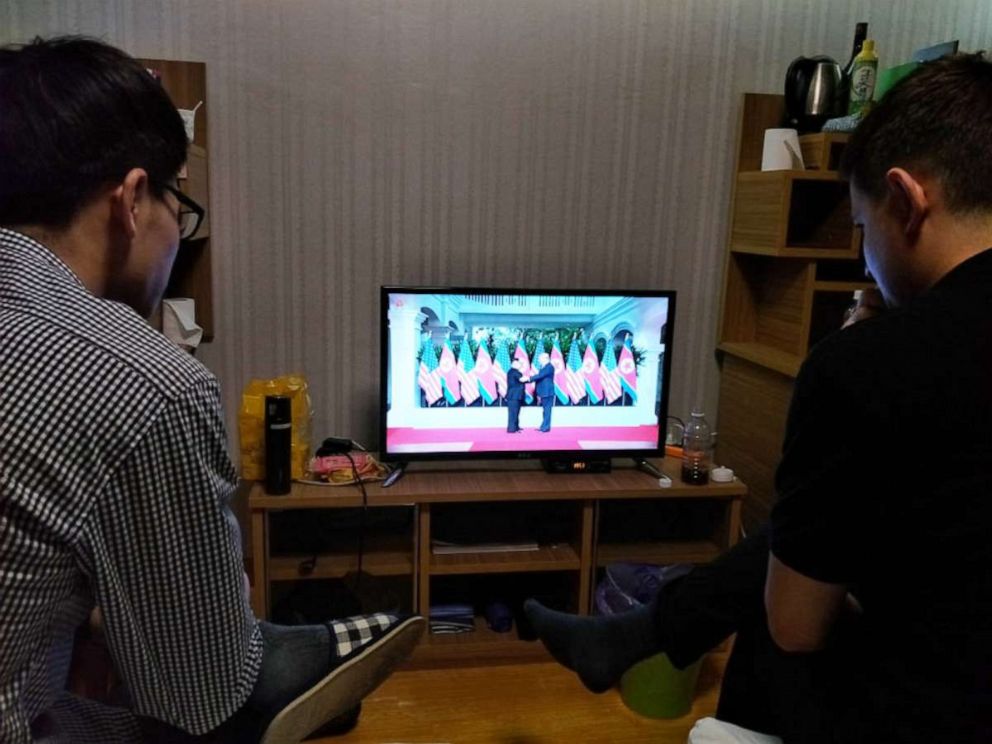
<point>495,373</point>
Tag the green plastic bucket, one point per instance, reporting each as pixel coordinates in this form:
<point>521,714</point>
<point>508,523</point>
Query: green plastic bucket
<point>656,689</point>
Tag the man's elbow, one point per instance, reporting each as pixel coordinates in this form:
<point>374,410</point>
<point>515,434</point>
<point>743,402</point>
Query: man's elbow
<point>793,639</point>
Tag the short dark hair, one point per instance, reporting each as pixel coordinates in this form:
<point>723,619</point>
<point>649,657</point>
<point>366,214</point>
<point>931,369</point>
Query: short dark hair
<point>75,115</point>
<point>938,120</point>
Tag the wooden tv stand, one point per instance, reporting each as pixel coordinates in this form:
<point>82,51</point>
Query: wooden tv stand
<point>589,521</point>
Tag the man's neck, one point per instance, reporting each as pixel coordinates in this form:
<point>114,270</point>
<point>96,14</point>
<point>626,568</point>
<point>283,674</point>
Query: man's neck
<point>952,240</point>
<point>80,247</point>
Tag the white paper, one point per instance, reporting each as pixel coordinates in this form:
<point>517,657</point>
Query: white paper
<point>781,150</point>
<point>189,120</point>
<point>179,322</point>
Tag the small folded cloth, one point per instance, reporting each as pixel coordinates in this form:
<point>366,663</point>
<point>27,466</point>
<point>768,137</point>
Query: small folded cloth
<point>452,618</point>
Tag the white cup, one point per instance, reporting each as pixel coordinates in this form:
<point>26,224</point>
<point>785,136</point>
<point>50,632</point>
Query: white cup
<point>781,150</point>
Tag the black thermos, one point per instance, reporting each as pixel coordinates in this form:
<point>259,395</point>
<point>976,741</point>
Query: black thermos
<point>278,436</point>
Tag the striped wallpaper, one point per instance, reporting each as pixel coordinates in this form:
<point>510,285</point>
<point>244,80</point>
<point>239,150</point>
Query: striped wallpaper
<point>555,143</point>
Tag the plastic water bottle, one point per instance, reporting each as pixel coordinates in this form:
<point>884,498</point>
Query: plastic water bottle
<point>696,445</point>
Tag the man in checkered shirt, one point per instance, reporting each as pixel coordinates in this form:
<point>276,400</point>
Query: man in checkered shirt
<point>114,473</point>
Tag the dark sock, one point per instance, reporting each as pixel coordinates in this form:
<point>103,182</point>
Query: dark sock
<point>600,648</point>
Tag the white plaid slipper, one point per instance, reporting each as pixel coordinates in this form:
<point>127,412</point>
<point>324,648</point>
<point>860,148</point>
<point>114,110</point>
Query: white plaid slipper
<point>369,648</point>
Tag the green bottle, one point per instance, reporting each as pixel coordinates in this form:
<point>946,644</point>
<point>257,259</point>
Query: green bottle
<point>863,77</point>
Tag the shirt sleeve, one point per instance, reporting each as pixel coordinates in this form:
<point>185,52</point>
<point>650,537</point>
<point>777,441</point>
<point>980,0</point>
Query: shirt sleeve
<point>823,479</point>
<point>166,563</point>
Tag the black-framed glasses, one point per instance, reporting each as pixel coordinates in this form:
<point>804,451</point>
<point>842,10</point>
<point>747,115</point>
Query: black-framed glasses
<point>190,215</point>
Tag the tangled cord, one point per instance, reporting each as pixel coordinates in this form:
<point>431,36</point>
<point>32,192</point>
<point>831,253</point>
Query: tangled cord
<point>346,470</point>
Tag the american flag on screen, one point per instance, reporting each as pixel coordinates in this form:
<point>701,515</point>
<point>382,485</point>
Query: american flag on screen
<point>573,374</point>
<point>525,369</point>
<point>608,374</point>
<point>466,374</point>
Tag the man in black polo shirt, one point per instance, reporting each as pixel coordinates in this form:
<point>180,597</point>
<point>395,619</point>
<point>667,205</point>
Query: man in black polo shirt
<point>864,613</point>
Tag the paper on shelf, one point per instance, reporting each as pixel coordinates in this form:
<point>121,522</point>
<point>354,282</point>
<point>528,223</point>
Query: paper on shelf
<point>440,547</point>
<point>189,120</point>
<point>179,322</point>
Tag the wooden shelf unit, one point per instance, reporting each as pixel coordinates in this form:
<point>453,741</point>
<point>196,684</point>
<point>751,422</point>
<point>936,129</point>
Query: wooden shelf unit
<point>545,558</point>
<point>569,549</point>
<point>796,214</point>
<point>793,264</point>
<point>480,647</point>
<point>822,151</point>
<point>383,556</point>
<point>681,551</point>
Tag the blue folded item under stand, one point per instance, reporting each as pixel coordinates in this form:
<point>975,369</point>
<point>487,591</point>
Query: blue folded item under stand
<point>452,618</point>
<point>629,585</point>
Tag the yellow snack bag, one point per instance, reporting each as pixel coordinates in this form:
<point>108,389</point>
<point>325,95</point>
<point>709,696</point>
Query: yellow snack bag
<point>251,424</point>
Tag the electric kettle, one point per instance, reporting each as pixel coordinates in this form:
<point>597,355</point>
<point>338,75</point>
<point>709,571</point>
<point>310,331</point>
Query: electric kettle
<point>813,92</point>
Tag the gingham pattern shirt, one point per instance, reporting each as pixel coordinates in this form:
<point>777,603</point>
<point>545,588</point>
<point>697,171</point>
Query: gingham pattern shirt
<point>114,482</point>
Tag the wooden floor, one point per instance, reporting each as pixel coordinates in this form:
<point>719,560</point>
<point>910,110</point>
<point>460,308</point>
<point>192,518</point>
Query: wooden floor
<point>538,703</point>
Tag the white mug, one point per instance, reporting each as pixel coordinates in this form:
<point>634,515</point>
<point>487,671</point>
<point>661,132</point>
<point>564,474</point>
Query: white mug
<point>781,150</point>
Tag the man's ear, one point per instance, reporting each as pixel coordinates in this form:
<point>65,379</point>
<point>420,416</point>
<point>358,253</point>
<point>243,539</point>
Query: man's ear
<point>908,200</point>
<point>129,199</point>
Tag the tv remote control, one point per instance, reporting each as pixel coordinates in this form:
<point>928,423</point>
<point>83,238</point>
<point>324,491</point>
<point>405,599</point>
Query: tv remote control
<point>392,477</point>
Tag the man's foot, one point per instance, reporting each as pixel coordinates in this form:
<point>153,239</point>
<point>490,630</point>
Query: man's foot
<point>339,725</point>
<point>599,649</point>
<point>364,651</point>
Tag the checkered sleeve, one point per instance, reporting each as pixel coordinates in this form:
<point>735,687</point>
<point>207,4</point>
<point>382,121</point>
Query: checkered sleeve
<point>166,563</point>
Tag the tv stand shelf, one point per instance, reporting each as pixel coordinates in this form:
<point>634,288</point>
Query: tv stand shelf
<point>580,523</point>
<point>545,558</point>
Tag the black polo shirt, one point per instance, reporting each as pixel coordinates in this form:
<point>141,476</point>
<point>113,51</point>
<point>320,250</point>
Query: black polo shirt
<point>885,485</point>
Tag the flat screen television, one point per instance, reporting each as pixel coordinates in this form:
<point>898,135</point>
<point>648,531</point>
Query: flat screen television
<point>447,390</point>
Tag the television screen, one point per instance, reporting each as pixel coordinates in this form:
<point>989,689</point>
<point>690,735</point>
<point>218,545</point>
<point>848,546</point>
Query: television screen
<point>507,373</point>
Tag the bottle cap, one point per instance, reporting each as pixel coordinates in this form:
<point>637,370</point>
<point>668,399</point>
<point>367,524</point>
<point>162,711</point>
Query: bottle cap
<point>722,475</point>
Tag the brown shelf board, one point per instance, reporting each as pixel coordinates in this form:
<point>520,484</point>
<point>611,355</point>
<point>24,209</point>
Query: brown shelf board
<point>820,150</point>
<point>682,551</point>
<point>516,480</point>
<point>765,356</point>
<point>795,252</point>
<point>822,136</point>
<point>545,558</point>
<point>481,646</point>
<point>380,559</point>
<point>796,175</point>
<point>825,286</point>
<point>847,253</point>
<point>310,496</point>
